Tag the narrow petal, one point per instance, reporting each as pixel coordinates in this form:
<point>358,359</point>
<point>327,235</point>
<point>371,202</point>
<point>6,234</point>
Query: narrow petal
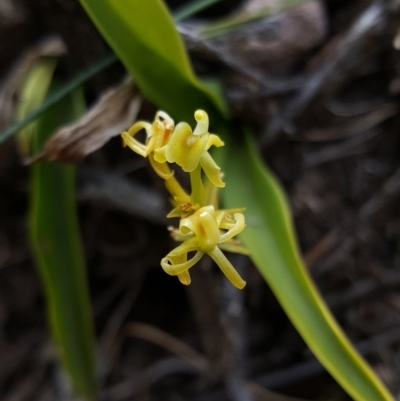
<point>161,169</point>
<point>226,267</point>
<point>133,144</point>
<point>174,270</point>
<point>166,119</point>
<point>211,170</point>
<point>184,278</point>
<point>235,230</point>
<point>214,140</point>
<point>202,122</point>
<point>138,126</point>
<point>210,236</point>
<point>189,245</point>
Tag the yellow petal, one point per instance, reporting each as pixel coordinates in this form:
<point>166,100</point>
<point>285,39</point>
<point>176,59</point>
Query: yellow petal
<point>159,154</point>
<point>214,140</point>
<point>184,148</point>
<point>184,278</point>
<point>210,232</point>
<point>161,169</point>
<point>193,224</point>
<point>227,268</point>
<point>133,144</point>
<point>138,126</point>
<point>202,122</point>
<point>176,269</point>
<point>235,230</point>
<point>211,170</point>
<point>189,245</point>
<point>165,119</point>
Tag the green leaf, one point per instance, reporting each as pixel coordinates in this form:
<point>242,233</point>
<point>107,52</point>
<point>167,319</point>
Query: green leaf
<point>235,21</point>
<point>144,37</point>
<point>54,234</point>
<point>271,241</point>
<point>192,7</point>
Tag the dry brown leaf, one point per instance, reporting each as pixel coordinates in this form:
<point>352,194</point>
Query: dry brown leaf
<point>115,111</point>
<point>52,47</point>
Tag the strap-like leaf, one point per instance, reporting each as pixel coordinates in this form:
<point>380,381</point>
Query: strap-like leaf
<point>55,237</point>
<point>270,239</point>
<point>143,35</point>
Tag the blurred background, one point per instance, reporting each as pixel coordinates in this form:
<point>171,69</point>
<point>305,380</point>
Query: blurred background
<point>319,83</point>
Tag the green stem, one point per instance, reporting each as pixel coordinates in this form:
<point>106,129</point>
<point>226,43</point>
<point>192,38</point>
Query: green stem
<point>197,186</point>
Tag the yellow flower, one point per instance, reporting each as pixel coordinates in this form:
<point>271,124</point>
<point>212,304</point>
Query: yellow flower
<point>206,231</point>
<point>189,149</point>
<point>157,135</point>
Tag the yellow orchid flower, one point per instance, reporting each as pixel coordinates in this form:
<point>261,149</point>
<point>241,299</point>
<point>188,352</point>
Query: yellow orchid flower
<point>189,149</point>
<point>157,136</point>
<point>206,231</point>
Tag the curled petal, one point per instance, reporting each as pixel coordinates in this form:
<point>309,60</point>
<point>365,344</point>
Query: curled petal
<point>235,230</point>
<point>158,133</point>
<point>176,269</point>
<point>133,144</point>
<point>184,148</point>
<point>167,121</point>
<point>211,170</point>
<point>192,223</point>
<point>214,140</point>
<point>202,122</point>
<point>189,245</point>
<point>184,277</point>
<point>138,126</point>
<point>226,267</point>
<point>210,232</point>
<point>161,169</point>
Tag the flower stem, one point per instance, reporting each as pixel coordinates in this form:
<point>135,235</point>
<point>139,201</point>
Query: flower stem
<point>197,186</point>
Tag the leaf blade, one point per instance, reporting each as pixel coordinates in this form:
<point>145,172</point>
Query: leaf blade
<point>55,239</point>
<point>129,28</point>
<point>273,248</point>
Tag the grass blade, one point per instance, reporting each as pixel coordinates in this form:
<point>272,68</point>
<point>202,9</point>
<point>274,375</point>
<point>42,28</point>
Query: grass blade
<point>55,238</point>
<point>191,8</point>
<point>144,37</point>
<point>271,241</point>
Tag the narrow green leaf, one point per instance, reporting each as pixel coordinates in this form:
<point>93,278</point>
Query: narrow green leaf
<point>271,241</point>
<point>144,37</point>
<point>232,22</point>
<point>55,238</point>
<point>191,8</point>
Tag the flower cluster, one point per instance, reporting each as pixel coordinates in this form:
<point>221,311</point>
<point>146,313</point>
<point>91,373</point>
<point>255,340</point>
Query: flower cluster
<point>203,228</point>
